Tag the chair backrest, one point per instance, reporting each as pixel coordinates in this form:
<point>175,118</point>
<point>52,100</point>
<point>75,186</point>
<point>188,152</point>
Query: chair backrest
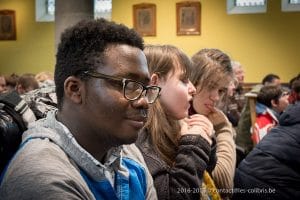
<point>252,104</point>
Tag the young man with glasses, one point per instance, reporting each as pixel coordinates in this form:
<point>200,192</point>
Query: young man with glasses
<point>77,152</point>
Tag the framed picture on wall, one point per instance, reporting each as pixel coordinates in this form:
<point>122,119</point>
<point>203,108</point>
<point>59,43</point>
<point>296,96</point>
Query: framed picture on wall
<point>188,18</point>
<point>7,25</point>
<point>144,19</point>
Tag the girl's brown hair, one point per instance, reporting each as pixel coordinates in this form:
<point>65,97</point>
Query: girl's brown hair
<point>163,60</point>
<point>209,66</point>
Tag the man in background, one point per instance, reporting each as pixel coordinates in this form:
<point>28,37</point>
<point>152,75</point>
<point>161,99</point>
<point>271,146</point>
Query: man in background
<point>235,101</point>
<point>243,136</point>
<point>2,84</point>
<point>26,83</point>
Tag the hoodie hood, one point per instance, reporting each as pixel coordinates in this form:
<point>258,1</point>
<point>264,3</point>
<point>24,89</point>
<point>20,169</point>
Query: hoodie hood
<point>59,134</point>
<point>260,108</point>
<point>291,115</point>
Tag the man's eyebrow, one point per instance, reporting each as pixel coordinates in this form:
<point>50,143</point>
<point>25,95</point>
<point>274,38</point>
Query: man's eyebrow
<point>134,76</point>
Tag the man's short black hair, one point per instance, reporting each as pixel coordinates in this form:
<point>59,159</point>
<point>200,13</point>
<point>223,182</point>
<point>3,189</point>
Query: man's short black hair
<point>82,46</point>
<point>269,78</point>
<point>294,79</point>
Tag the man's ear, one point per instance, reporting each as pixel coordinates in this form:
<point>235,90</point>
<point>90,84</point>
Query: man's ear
<point>74,88</point>
<point>274,103</point>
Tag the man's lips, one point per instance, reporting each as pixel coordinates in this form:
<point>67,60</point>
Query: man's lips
<point>137,122</point>
<point>138,117</point>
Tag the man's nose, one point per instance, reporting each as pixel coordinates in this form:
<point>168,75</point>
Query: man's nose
<point>141,102</point>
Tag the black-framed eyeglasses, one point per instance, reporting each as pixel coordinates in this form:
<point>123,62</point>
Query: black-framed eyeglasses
<point>132,90</point>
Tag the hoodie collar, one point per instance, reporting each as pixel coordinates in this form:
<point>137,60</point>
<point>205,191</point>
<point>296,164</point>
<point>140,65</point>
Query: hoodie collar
<point>58,133</point>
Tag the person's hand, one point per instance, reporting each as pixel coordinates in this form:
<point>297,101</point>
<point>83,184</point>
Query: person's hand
<point>197,125</point>
<point>217,117</point>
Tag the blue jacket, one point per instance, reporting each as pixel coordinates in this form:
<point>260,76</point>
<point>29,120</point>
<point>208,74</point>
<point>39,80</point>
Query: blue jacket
<point>50,164</point>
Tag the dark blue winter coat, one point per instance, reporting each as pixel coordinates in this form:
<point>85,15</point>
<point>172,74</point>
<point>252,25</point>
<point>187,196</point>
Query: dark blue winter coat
<point>272,168</point>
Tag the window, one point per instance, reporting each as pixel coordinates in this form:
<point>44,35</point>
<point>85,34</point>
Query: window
<point>45,9</point>
<point>290,5</point>
<point>246,3</point>
<point>50,6</point>
<point>294,1</point>
<point>102,8</point>
<point>246,6</point>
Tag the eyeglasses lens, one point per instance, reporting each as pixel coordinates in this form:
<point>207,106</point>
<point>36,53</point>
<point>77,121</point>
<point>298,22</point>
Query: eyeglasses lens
<point>133,90</point>
<point>152,94</point>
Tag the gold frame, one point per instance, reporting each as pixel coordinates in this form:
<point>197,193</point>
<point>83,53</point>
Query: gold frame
<point>144,19</point>
<point>188,18</point>
<point>7,25</point>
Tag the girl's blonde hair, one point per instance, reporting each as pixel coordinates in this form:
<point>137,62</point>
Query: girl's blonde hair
<point>163,60</point>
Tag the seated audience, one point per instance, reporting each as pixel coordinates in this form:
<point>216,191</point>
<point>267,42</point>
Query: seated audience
<point>45,79</point>
<point>26,83</point>
<point>211,75</point>
<point>176,152</point>
<point>41,100</point>
<point>2,84</point>
<point>77,152</point>
<point>243,136</point>
<point>235,100</point>
<point>15,116</point>
<point>11,82</point>
<point>10,138</point>
<point>271,102</point>
<point>293,79</point>
<point>295,89</point>
<point>271,79</point>
<point>271,169</point>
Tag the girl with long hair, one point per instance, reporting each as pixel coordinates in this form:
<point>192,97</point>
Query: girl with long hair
<point>211,74</point>
<point>175,146</point>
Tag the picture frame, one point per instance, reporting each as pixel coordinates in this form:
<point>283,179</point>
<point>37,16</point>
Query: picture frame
<point>7,25</point>
<point>188,17</point>
<point>144,19</point>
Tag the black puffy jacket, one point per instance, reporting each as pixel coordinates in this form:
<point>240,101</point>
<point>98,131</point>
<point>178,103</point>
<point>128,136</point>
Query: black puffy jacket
<point>10,138</point>
<point>32,105</point>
